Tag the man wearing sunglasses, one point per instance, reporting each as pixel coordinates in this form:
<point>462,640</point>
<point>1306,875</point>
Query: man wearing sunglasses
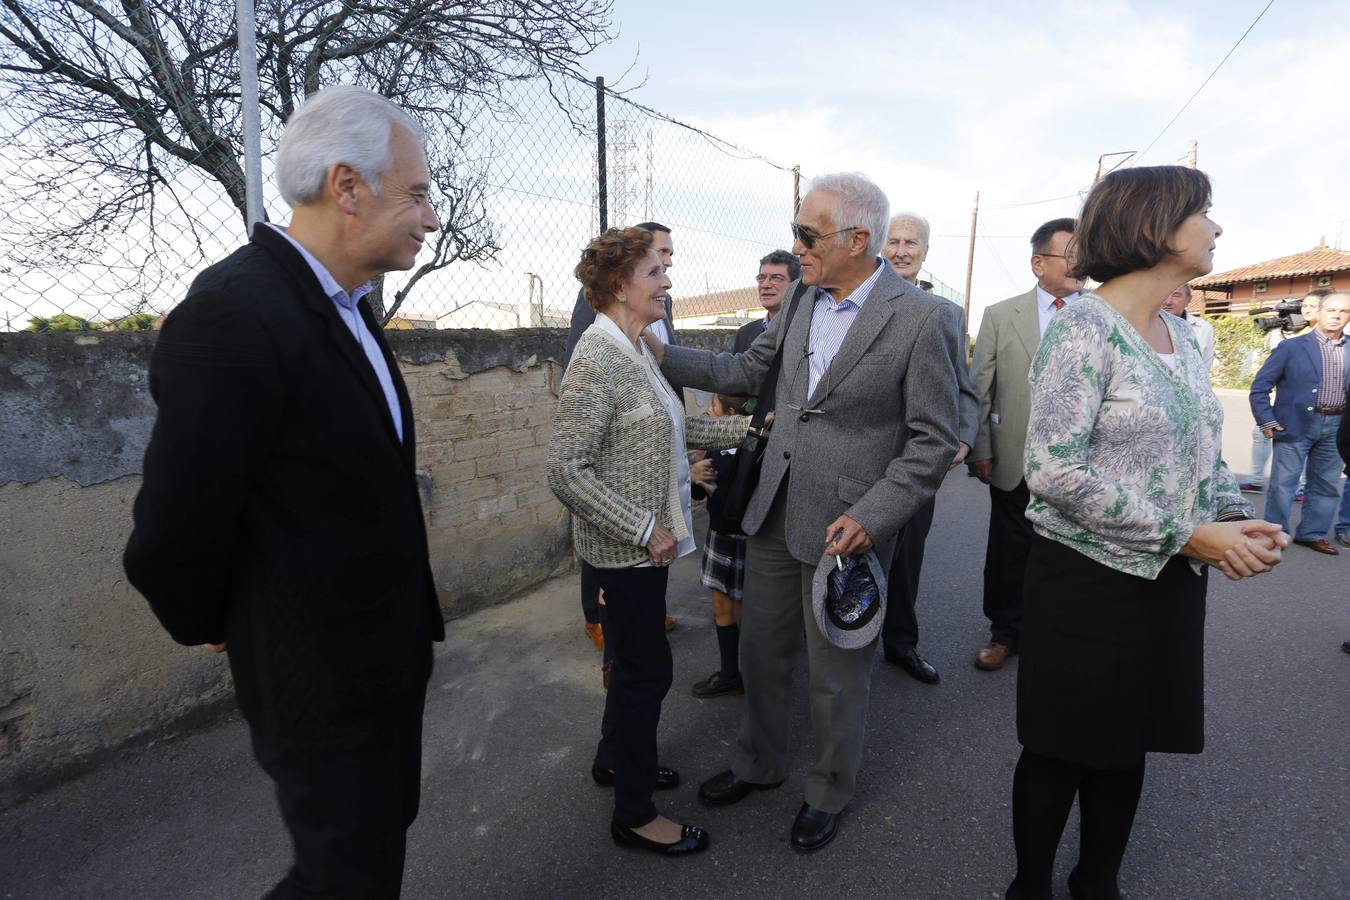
<point>1009,335</point>
<point>865,427</point>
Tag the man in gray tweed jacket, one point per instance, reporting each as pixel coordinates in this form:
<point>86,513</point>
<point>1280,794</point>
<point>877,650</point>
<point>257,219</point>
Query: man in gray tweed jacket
<point>865,428</point>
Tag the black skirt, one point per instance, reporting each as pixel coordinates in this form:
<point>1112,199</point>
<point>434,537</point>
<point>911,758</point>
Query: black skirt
<point>1112,665</point>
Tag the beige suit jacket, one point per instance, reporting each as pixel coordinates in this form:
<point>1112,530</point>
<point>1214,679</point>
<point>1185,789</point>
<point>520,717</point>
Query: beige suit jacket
<point>1009,335</point>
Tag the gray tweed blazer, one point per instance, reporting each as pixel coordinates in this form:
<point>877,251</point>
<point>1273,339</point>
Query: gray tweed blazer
<point>887,430</point>
<point>609,460</point>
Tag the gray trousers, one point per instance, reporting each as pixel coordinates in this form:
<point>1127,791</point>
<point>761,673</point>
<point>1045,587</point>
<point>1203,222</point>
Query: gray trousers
<point>776,606</point>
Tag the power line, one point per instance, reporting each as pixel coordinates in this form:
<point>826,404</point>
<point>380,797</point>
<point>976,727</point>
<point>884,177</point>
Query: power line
<point>1206,81</point>
<point>1073,196</point>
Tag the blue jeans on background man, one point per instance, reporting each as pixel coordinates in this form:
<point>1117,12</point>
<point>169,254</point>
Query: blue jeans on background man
<point>1343,521</point>
<point>1323,491</point>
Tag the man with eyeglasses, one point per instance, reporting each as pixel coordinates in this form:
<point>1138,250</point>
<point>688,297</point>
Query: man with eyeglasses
<point>724,554</point>
<point>1009,335</point>
<point>866,424</point>
<point>906,249</point>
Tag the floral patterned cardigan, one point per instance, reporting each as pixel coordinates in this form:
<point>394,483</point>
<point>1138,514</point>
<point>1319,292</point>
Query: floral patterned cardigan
<point>1123,451</point>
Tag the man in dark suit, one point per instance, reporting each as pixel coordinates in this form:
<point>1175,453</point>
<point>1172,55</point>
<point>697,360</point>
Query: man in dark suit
<point>906,249</point>
<point>279,516</point>
<point>1309,375</point>
<point>583,315</point>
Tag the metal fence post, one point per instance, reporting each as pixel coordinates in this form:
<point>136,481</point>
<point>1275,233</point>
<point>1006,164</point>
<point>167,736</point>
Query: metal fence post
<point>601,165</point>
<point>252,116</point>
<point>796,190</point>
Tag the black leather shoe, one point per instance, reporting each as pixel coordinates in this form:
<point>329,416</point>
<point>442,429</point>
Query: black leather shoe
<point>918,667</point>
<point>665,778</point>
<point>692,840</point>
<point>724,789</point>
<point>813,829</point>
<point>717,684</point>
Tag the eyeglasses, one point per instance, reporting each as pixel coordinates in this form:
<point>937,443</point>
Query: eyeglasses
<point>1068,259</point>
<point>775,278</point>
<point>809,237</point>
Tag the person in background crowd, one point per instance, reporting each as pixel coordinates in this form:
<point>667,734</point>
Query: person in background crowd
<point>865,427</point>
<point>279,517</point>
<point>618,461</point>
<point>1261,445</point>
<point>1176,304</point>
<point>1009,335</point>
<point>724,554</point>
<point>906,249</point>
<point>1309,376</point>
<point>582,317</point>
<point>1130,501</point>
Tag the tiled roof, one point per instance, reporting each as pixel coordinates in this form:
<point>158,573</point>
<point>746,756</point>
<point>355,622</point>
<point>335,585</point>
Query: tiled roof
<point>715,303</point>
<point>1320,261</point>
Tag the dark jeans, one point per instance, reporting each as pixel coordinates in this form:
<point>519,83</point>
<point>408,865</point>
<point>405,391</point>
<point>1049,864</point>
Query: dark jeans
<point>900,632</point>
<point>634,621</point>
<point>1005,562</point>
<point>348,810</point>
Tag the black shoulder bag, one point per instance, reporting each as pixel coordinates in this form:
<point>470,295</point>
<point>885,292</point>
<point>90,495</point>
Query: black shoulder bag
<point>744,477</point>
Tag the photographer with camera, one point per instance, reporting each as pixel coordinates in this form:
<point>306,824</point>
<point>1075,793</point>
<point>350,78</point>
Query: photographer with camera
<point>1309,375</point>
<point>1292,318</point>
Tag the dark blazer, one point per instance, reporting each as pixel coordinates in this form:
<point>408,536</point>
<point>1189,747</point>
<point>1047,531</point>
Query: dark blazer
<point>746,334</point>
<point>1294,371</point>
<point>279,511</point>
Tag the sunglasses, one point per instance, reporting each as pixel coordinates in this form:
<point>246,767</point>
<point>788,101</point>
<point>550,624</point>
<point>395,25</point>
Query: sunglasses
<point>809,237</point>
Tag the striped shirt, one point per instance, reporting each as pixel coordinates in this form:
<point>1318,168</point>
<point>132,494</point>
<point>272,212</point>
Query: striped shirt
<point>830,322</point>
<point>1332,389</point>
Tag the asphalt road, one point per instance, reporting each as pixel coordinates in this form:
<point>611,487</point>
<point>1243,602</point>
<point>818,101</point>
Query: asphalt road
<point>508,808</point>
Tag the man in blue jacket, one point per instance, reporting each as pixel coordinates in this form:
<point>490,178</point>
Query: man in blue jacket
<point>1309,375</point>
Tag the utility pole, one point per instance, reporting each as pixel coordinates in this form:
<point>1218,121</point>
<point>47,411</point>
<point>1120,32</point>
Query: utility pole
<point>601,164</point>
<point>970,267</point>
<point>252,116</point>
<point>1192,154</point>
<point>796,190</point>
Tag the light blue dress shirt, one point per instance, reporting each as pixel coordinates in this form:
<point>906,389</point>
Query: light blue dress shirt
<point>351,317</point>
<point>830,322</point>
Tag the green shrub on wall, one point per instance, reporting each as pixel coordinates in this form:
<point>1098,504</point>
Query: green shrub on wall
<point>1239,350</point>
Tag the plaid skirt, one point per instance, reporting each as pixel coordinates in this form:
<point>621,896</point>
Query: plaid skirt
<point>724,563</point>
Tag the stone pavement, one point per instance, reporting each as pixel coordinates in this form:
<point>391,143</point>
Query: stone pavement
<point>508,808</point>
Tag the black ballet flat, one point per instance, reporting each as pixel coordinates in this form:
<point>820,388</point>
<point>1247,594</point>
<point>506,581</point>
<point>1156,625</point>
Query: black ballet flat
<point>692,840</point>
<point>665,778</point>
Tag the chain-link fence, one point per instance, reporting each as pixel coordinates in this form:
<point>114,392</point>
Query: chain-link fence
<point>91,240</point>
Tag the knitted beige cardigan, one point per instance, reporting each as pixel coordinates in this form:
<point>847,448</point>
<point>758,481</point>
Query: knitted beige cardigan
<point>609,460</point>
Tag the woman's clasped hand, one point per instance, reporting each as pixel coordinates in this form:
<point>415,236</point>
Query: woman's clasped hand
<point>1238,549</point>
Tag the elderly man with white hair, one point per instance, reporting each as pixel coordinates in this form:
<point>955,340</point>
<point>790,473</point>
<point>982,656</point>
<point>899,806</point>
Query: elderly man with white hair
<point>865,427</point>
<point>906,250</point>
<point>279,517</point>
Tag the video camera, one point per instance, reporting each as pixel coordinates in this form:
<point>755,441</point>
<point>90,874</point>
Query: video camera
<point>1288,317</point>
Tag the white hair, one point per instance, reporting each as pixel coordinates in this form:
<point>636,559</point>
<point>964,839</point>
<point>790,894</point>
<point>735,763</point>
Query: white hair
<point>339,124</point>
<point>924,228</point>
<point>861,205</point>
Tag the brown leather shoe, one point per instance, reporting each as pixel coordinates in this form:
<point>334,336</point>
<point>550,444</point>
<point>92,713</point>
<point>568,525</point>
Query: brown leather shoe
<point>670,620</point>
<point>596,634</point>
<point>992,656</point>
<point>1321,546</point>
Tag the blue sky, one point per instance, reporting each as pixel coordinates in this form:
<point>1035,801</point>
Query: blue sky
<point>935,101</point>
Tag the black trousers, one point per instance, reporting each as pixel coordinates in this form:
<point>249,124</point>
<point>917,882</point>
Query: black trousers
<point>900,631</point>
<point>634,621</point>
<point>1005,562</point>
<point>590,592</point>
<point>348,810</point>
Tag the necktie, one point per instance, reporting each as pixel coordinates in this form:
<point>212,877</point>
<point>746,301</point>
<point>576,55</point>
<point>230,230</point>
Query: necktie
<point>1059,303</point>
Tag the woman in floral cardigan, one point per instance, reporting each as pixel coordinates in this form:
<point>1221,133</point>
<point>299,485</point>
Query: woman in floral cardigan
<point>1131,502</point>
